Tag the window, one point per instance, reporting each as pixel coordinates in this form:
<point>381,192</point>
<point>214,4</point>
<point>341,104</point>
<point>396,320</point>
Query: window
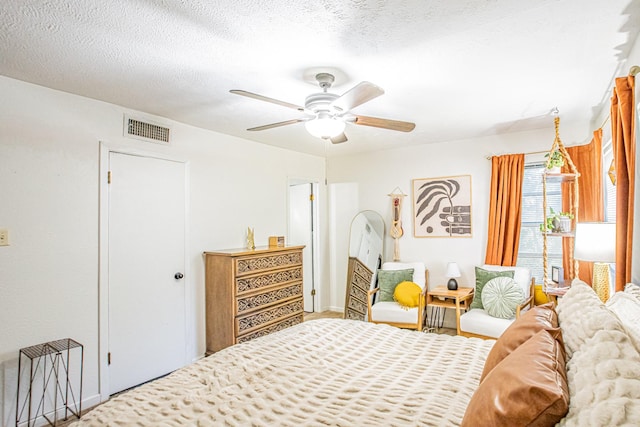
<point>531,242</point>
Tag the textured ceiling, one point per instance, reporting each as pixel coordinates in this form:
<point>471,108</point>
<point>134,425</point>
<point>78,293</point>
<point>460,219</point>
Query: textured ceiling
<point>457,68</point>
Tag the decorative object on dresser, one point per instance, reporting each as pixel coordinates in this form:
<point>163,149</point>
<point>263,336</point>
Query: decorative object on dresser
<point>276,241</point>
<point>251,293</point>
<point>397,196</point>
<point>251,242</point>
<point>453,272</point>
<point>366,242</point>
<point>596,242</point>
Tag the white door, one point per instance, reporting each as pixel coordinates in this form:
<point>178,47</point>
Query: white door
<point>301,233</point>
<point>146,261</point>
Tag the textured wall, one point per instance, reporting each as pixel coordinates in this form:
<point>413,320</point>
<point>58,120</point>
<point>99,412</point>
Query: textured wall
<point>49,170</point>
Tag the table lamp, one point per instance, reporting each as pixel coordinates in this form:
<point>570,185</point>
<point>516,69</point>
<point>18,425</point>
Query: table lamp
<point>596,242</point>
<point>452,271</point>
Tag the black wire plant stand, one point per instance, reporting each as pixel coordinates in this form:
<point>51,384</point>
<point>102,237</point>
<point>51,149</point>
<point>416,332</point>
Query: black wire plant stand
<point>52,360</point>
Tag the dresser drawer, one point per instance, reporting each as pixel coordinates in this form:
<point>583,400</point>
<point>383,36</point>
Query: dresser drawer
<point>251,322</point>
<point>256,282</point>
<point>358,306</point>
<point>363,271</point>
<point>362,283</point>
<point>289,321</point>
<point>251,302</point>
<point>258,263</point>
<point>353,315</point>
<point>358,294</point>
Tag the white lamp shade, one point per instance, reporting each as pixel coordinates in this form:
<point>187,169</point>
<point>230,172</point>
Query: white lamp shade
<point>452,270</point>
<point>325,127</point>
<point>595,241</point>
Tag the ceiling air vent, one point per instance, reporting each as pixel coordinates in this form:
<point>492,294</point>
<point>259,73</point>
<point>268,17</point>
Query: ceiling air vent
<point>146,131</point>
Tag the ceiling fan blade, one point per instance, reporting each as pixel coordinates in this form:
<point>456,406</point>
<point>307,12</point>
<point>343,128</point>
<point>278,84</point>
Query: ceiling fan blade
<point>275,125</point>
<point>339,139</point>
<point>385,123</point>
<point>357,95</point>
<point>266,99</point>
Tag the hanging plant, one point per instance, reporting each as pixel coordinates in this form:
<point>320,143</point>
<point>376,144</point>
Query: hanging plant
<point>552,223</point>
<point>555,159</point>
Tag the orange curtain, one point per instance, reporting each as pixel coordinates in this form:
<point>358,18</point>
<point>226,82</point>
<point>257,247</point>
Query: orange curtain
<point>505,205</point>
<point>624,151</point>
<point>588,161</point>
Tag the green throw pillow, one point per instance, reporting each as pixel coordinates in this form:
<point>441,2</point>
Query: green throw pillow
<point>501,297</point>
<point>389,279</point>
<point>482,277</point>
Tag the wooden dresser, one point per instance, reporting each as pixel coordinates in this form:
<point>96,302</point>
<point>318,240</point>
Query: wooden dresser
<point>251,293</point>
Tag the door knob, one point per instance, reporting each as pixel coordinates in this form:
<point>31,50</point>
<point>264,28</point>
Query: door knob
<point>178,276</point>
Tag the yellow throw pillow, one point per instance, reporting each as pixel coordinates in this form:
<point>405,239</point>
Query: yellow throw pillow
<point>407,294</point>
<point>539,297</point>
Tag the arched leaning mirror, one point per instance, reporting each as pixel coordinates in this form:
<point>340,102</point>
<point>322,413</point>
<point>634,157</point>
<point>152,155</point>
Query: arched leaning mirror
<point>366,241</point>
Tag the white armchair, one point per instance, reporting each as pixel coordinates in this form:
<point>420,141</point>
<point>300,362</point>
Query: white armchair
<point>478,323</point>
<point>392,313</point>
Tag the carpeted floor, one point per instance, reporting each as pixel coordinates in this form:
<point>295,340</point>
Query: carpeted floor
<point>339,315</point>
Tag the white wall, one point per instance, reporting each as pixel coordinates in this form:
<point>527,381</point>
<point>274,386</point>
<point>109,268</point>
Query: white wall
<point>376,174</point>
<point>49,166</point>
<point>343,206</point>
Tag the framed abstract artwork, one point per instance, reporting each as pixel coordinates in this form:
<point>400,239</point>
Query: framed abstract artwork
<point>442,206</point>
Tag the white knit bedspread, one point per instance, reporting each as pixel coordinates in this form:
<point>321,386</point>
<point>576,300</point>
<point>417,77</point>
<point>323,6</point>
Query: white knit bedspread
<point>324,372</point>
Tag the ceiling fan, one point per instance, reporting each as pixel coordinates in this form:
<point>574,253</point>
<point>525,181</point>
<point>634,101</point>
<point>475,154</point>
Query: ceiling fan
<point>327,113</point>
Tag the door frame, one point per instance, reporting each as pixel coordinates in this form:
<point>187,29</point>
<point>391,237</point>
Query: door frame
<point>315,236</point>
<point>106,149</point>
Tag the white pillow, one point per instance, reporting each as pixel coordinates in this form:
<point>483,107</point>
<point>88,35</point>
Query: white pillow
<point>633,289</point>
<point>501,296</point>
<point>627,308</point>
<point>604,385</point>
<point>581,314</point>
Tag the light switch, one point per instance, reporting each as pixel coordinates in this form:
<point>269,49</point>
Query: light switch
<point>4,237</point>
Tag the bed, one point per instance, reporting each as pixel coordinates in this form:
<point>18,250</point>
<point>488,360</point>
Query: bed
<point>351,373</point>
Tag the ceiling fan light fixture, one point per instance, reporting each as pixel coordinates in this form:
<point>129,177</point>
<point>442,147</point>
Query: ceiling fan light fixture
<point>326,113</point>
<point>325,127</point>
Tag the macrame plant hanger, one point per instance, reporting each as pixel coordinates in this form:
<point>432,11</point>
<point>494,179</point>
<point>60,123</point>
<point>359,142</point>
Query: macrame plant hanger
<point>396,220</point>
<point>572,179</point>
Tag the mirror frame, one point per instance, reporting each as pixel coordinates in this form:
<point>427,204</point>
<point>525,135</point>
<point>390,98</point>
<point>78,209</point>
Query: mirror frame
<point>362,274</point>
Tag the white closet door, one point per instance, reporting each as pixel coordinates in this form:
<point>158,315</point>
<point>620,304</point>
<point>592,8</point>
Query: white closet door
<point>301,233</point>
<point>146,261</point>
